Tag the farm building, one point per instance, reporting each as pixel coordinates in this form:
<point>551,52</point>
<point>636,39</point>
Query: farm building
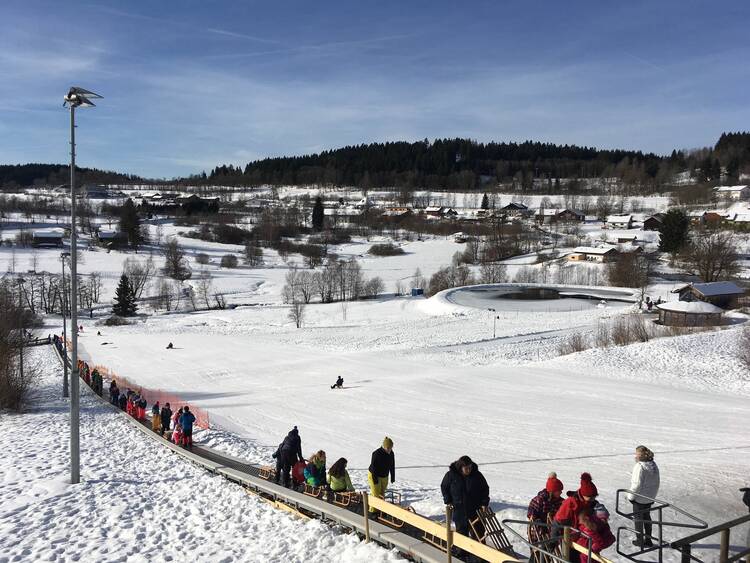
<point>689,313</point>
<point>515,209</point>
<point>654,222</point>
<point>51,238</point>
<point>620,221</point>
<point>593,254</point>
<point>551,215</point>
<point>733,193</point>
<point>723,294</point>
<point>111,239</point>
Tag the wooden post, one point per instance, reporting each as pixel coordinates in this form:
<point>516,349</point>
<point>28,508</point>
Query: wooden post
<point>449,530</point>
<point>366,506</point>
<point>724,546</point>
<point>566,544</point>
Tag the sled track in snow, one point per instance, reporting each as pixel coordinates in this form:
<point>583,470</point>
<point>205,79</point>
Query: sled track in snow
<point>407,540</point>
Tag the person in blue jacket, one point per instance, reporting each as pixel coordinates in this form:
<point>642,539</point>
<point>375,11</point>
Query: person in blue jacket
<point>186,421</point>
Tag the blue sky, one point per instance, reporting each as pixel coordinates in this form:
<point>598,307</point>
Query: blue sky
<point>191,84</point>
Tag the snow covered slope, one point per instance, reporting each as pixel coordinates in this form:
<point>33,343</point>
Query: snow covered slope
<point>136,501</point>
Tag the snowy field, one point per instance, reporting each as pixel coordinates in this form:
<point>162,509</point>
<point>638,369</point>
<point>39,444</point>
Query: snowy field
<point>137,501</point>
<point>429,373</point>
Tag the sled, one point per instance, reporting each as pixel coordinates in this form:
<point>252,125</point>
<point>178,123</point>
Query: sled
<point>298,472</point>
<point>394,498</point>
<point>267,472</point>
<point>487,530</point>
<point>347,498</point>
<point>316,492</point>
<point>540,534</point>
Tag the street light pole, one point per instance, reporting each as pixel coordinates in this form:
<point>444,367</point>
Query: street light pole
<point>494,320</point>
<point>76,97</point>
<point>20,326</point>
<point>64,301</point>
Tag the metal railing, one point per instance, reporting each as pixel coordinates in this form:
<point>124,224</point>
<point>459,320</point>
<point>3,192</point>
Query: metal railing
<point>685,545</point>
<point>546,547</point>
<point>658,506</point>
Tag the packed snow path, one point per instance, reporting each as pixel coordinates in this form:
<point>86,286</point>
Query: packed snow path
<point>137,501</point>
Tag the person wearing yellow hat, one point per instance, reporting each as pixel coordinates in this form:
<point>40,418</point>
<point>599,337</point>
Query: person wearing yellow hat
<point>383,463</point>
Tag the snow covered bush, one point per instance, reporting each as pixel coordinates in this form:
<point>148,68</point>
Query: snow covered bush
<point>386,249</point>
<point>576,342</point>
<point>229,261</point>
<point>202,258</point>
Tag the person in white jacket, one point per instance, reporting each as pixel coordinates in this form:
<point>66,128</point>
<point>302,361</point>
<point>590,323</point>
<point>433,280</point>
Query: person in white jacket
<point>644,480</point>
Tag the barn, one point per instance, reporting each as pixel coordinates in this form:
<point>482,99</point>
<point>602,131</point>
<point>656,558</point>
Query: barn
<point>723,294</point>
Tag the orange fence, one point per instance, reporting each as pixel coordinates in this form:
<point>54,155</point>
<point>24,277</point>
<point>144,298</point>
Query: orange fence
<point>151,395</point>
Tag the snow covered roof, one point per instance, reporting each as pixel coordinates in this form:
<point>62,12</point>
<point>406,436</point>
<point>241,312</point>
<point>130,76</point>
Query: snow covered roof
<point>619,218</point>
<point>730,188</point>
<point>689,307</point>
<point>433,209</point>
<point>547,211</point>
<point>599,250</point>
<point>51,233</point>
<point>712,289</point>
<point>741,218</point>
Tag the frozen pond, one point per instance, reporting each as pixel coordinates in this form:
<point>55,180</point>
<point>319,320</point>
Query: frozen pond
<point>541,299</point>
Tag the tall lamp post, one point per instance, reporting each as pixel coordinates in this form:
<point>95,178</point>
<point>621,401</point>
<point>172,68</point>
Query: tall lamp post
<point>63,256</point>
<point>20,281</point>
<point>75,98</point>
<point>495,316</point>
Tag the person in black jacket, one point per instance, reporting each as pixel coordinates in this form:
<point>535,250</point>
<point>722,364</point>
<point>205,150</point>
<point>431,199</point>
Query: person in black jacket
<point>166,418</point>
<point>287,454</point>
<point>382,464</point>
<point>465,488</point>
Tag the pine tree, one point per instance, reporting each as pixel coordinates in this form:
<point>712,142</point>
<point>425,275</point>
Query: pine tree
<point>674,231</point>
<point>130,224</point>
<point>317,215</point>
<point>124,305</point>
<point>485,202</point>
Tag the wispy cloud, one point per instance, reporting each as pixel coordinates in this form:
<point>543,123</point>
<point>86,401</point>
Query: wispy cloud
<point>241,36</point>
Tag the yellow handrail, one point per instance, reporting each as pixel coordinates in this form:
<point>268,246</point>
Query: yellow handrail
<point>438,530</point>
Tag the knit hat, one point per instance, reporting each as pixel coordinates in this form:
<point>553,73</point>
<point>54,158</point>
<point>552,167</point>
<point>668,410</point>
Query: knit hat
<point>588,489</point>
<point>553,483</point>
<point>387,442</point>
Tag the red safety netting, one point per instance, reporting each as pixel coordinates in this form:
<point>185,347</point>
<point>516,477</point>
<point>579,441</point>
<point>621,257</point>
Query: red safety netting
<point>153,395</point>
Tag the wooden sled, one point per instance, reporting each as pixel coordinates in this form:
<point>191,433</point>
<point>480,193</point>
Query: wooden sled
<point>267,472</point>
<point>316,492</point>
<point>487,530</point>
<point>539,534</point>
<point>346,498</point>
<point>394,498</point>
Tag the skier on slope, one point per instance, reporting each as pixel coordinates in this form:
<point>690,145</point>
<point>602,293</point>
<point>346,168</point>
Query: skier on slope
<point>288,452</point>
<point>644,480</point>
<point>465,488</point>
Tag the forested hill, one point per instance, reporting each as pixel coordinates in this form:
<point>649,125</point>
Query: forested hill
<point>22,175</point>
<point>466,164</point>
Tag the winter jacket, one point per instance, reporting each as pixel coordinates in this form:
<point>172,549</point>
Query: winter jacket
<point>122,401</point>
<point>340,484</point>
<point>465,493</point>
<point>600,533</point>
<point>382,464</point>
<point>166,417</point>
<point>571,508</point>
<point>155,410</point>
<point>186,421</point>
<point>290,450</point>
<point>542,505</point>
<point>315,475</point>
<point>155,423</point>
<point>645,480</point>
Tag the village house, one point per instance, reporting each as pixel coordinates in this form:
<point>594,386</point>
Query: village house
<point>111,238</point>
<point>620,221</point>
<point>723,294</point>
<point>551,215</point>
<point>52,238</point>
<point>515,209</point>
<point>732,193</point>
<point>653,222</point>
<point>593,254</point>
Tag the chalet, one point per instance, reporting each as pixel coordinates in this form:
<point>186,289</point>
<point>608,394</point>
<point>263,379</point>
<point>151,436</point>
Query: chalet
<point>52,238</point>
<point>625,239</point>
<point>571,216</point>
<point>723,294</point>
<point>111,239</point>
<point>397,211</point>
<point>450,212</point>
<point>740,220</point>
<point>706,218</point>
<point>593,254</point>
<point>689,313</point>
<point>620,221</point>
<point>515,209</point>
<point>653,222</point>
<point>732,193</point>
<point>434,211</point>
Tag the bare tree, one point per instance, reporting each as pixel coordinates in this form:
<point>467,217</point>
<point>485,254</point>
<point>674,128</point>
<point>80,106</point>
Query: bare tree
<point>297,313</point>
<point>204,287</point>
<point>399,287</point>
<point>139,273</point>
<point>712,256</point>
<point>492,272</point>
<point>175,263</point>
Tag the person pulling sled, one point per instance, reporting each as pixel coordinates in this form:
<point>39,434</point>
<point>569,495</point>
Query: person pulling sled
<point>287,454</point>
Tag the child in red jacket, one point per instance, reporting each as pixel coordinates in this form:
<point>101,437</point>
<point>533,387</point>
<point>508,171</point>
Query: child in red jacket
<point>596,527</point>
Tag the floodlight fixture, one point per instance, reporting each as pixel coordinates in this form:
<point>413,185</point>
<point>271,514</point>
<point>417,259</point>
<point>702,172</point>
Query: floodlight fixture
<point>80,98</point>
